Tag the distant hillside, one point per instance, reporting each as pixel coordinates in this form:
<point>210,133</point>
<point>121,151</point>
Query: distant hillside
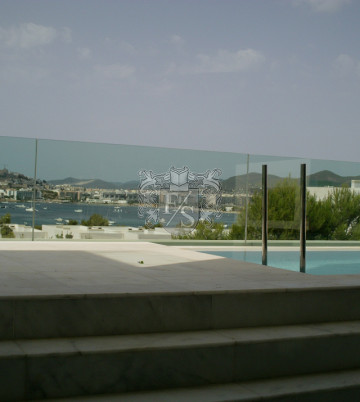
<point>319,179</point>
<point>323,178</point>
<point>68,180</point>
<point>254,180</point>
<point>130,185</point>
<point>328,178</point>
<point>95,183</point>
<point>6,174</point>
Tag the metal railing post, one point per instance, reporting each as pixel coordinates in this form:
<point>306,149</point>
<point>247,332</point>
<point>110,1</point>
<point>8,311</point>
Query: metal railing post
<point>303,218</point>
<point>264,214</point>
<point>247,197</point>
<point>34,193</point>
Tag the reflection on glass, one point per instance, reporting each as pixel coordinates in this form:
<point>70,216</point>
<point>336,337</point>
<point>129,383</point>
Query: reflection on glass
<point>91,191</point>
<point>283,199</point>
<point>333,205</point>
<point>17,158</point>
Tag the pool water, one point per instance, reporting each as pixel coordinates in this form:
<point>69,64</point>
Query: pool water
<point>317,262</point>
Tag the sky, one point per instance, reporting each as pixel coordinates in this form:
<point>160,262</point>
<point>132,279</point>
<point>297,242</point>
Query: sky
<point>268,77</point>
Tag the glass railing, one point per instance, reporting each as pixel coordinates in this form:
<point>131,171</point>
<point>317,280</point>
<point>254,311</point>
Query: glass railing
<point>69,190</point>
<point>77,190</point>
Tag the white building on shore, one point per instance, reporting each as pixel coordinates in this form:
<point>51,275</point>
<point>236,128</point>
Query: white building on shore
<point>79,232</point>
<point>323,192</point>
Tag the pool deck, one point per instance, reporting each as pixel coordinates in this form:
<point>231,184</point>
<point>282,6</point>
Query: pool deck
<point>80,268</point>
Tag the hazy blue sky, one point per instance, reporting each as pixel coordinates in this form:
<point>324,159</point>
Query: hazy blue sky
<point>278,77</point>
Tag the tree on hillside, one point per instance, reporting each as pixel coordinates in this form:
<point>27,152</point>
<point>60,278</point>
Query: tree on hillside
<point>336,217</point>
<point>5,230</point>
<point>96,220</point>
<point>49,195</point>
<point>283,213</point>
<point>5,219</point>
<point>205,231</point>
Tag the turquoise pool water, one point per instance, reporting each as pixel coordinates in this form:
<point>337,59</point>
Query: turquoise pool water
<point>317,262</point>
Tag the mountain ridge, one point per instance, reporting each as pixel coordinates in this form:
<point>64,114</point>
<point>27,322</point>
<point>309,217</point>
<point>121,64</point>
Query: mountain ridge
<point>322,178</point>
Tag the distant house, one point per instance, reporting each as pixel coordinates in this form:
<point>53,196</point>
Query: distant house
<point>113,196</point>
<point>323,192</point>
<point>70,195</point>
<point>355,185</point>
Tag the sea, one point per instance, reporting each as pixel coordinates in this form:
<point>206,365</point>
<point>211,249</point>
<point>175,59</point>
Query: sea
<point>47,213</point>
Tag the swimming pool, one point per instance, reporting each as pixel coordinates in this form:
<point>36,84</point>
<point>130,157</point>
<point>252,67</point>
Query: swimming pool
<point>317,262</point>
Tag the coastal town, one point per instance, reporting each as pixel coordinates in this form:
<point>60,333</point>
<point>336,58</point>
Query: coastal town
<point>18,187</point>
<point>17,194</point>
<point>63,209</point>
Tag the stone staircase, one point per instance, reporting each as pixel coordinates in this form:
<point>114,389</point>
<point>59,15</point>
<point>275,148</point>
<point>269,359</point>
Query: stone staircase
<point>300,344</point>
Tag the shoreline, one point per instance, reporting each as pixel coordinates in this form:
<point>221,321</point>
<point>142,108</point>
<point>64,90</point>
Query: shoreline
<point>114,204</point>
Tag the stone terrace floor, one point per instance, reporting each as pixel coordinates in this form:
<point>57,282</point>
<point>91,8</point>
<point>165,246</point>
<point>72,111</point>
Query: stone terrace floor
<point>80,268</point>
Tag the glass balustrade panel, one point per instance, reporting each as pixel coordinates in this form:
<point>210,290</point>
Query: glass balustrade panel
<point>120,192</point>
<point>17,168</point>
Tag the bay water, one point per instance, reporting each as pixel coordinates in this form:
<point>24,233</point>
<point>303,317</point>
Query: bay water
<point>56,213</point>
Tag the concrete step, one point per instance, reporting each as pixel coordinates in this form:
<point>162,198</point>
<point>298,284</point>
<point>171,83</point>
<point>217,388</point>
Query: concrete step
<point>325,387</point>
<point>56,368</point>
<point>96,315</point>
